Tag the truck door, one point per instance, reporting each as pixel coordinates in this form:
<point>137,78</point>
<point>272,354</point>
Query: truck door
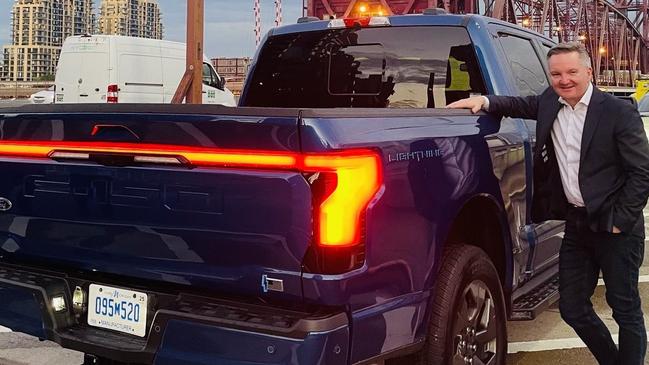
<point>68,79</point>
<point>83,71</point>
<point>140,68</point>
<point>214,91</point>
<point>539,240</point>
<point>94,76</point>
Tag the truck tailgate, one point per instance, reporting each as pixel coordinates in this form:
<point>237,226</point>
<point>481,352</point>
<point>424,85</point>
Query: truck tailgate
<point>222,228</point>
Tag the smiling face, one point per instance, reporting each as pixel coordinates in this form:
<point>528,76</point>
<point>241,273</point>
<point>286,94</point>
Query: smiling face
<point>570,76</point>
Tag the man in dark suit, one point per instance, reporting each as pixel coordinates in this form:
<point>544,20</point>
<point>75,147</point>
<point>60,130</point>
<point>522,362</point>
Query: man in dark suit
<point>591,168</point>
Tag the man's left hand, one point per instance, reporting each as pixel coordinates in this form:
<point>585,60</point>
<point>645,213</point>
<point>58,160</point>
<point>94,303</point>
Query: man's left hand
<point>616,230</point>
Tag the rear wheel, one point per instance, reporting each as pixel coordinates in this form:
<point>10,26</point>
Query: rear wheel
<point>468,323</point>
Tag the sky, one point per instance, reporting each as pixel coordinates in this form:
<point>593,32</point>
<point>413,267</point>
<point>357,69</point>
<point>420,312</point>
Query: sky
<point>229,24</point>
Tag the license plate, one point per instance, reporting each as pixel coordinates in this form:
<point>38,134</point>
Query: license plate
<point>117,309</point>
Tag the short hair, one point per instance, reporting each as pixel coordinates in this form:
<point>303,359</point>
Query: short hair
<point>569,47</point>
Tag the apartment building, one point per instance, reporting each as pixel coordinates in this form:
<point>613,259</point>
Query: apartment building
<point>135,18</point>
<point>38,29</point>
<point>150,19</point>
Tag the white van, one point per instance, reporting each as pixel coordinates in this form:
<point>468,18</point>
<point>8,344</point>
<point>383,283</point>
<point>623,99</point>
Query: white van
<point>117,69</point>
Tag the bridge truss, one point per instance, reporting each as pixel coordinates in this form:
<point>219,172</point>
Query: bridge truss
<point>615,32</point>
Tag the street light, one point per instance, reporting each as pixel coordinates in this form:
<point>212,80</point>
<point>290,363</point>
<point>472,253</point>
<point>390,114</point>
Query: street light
<point>602,50</point>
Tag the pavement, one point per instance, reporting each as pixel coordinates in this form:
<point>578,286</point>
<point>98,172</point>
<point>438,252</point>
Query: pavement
<point>546,340</point>
<point>21,349</point>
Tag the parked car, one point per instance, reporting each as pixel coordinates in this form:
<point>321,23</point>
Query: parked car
<point>43,97</point>
<point>340,216</point>
<point>118,69</point>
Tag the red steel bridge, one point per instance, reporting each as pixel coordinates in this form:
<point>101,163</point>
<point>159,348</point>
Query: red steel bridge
<point>616,32</point>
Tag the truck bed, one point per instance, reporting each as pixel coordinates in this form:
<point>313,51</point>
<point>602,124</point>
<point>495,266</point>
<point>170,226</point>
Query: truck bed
<point>214,213</point>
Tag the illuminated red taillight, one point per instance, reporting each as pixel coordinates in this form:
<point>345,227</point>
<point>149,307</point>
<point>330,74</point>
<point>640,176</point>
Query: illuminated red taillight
<point>113,94</point>
<point>340,211</point>
<point>357,180</point>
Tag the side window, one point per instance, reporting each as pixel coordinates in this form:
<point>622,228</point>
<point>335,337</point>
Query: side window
<point>525,65</point>
<point>217,79</point>
<point>207,75</point>
<point>545,48</point>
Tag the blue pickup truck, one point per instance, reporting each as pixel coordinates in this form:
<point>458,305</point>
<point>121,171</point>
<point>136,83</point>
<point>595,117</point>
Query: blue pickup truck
<point>340,215</point>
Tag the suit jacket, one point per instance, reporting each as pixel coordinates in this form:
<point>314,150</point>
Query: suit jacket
<point>614,162</point>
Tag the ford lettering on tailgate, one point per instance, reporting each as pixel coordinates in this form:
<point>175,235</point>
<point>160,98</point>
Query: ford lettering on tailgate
<point>138,193</point>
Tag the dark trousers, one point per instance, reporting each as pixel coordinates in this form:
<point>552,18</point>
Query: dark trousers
<point>618,256</point>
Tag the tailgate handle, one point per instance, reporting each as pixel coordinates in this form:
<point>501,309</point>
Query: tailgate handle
<point>110,132</point>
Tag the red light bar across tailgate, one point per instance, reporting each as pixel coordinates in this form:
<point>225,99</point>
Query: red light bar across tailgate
<point>358,173</point>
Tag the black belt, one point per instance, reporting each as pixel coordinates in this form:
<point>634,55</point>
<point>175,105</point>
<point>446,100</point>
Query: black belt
<point>577,209</point>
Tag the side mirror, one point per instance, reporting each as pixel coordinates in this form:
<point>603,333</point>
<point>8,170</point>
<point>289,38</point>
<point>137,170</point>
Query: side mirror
<point>222,80</point>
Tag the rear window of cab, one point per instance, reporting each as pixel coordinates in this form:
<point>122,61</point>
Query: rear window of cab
<point>396,67</point>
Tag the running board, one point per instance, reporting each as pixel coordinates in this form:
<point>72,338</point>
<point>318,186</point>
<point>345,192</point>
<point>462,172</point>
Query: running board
<point>530,305</point>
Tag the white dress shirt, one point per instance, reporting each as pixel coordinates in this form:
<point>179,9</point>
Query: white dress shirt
<point>566,135</point>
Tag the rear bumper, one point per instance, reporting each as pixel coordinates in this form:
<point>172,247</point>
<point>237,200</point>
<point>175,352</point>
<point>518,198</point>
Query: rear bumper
<point>181,329</point>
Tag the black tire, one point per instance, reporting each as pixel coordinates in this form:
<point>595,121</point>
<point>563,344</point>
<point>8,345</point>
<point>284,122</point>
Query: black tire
<point>468,321</point>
